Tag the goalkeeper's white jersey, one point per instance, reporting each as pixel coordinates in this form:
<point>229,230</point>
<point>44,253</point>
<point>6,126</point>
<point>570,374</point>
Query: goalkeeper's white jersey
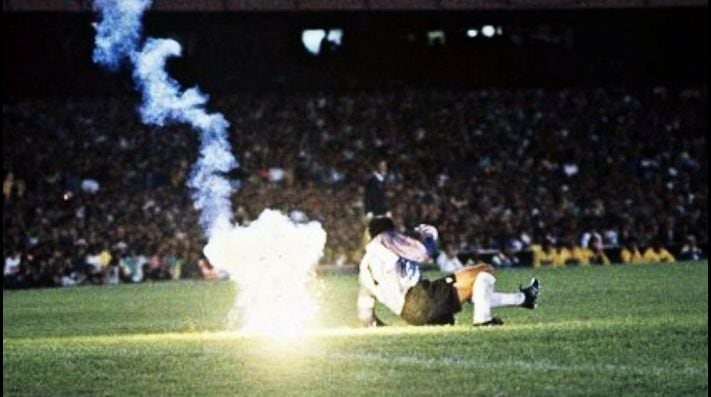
<point>386,276</point>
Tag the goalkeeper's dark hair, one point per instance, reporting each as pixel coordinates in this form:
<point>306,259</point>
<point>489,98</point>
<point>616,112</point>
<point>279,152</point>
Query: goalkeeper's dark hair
<point>379,225</point>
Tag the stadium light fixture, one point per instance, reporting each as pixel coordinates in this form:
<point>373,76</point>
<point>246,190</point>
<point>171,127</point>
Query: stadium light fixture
<point>488,31</point>
<point>436,37</point>
<point>472,32</point>
<point>313,38</point>
<point>335,36</point>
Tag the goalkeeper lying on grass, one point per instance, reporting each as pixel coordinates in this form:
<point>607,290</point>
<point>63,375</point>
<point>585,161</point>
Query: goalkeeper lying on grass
<point>390,274</point>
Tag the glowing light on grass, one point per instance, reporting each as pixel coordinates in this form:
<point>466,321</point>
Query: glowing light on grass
<point>272,259</point>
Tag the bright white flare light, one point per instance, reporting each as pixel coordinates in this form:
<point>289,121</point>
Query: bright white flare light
<point>272,261</point>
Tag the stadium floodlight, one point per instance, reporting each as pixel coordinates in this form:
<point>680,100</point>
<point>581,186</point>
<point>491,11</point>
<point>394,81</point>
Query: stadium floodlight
<point>312,40</point>
<point>488,31</point>
<point>335,36</point>
<point>436,37</point>
<point>472,32</point>
<point>499,30</point>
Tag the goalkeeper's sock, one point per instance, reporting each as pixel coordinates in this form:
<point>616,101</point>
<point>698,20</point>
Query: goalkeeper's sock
<point>500,299</point>
<point>482,292</point>
<point>484,298</point>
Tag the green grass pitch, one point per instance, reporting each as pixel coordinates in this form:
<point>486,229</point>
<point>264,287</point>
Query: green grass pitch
<point>608,331</point>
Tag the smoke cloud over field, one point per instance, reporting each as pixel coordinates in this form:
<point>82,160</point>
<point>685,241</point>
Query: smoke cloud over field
<point>272,259</point>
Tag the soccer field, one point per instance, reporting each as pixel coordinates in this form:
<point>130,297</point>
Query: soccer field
<point>619,330</point>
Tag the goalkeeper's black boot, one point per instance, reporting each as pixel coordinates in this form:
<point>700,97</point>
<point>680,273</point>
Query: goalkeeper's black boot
<point>493,322</point>
<point>531,293</point>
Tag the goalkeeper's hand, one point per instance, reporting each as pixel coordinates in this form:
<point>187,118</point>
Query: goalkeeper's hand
<point>427,231</point>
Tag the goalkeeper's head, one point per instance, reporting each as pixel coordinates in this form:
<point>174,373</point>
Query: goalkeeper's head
<point>380,224</point>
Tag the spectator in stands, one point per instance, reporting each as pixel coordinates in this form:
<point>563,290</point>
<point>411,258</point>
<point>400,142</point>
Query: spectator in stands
<point>173,264</point>
<point>206,270</point>
<point>596,250</point>
<point>69,278</point>
<point>448,260</point>
<point>577,255</point>
<point>95,268</point>
<point>570,254</point>
<point>132,267</point>
<point>375,202</point>
<point>656,253</point>
<point>690,251</point>
<point>12,271</point>
<point>544,254</point>
<point>105,257</point>
<point>112,272</point>
<point>504,259</point>
<point>8,185</point>
<point>630,252</point>
<point>155,266</point>
<point>79,265</point>
<point>533,169</point>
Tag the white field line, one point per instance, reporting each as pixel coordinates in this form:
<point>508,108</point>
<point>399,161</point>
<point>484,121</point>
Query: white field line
<point>387,359</point>
<point>530,366</point>
<point>471,362</point>
<point>568,325</point>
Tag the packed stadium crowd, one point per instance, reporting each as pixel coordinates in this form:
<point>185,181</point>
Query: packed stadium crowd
<point>90,195</point>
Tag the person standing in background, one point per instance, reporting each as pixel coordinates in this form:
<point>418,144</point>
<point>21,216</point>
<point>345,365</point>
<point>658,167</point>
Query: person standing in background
<point>375,202</point>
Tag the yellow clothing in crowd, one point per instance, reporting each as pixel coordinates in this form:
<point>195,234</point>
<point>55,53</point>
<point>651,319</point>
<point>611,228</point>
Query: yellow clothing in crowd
<point>579,255</point>
<point>564,256</point>
<point>575,255</point>
<point>649,256</point>
<point>631,256</point>
<point>584,256</point>
<point>652,256</point>
<point>599,258</point>
<point>7,187</point>
<point>104,258</point>
<point>542,257</point>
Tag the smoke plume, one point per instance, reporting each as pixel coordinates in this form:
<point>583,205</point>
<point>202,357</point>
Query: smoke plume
<point>272,259</point>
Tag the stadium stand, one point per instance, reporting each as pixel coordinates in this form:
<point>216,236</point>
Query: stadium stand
<point>579,130</point>
<point>88,188</point>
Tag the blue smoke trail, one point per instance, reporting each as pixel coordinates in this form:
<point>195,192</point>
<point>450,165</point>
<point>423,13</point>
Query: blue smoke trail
<point>118,38</point>
<point>118,33</point>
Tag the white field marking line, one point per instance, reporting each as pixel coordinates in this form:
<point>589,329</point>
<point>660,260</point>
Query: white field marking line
<point>532,366</point>
<point>341,332</point>
<point>432,362</point>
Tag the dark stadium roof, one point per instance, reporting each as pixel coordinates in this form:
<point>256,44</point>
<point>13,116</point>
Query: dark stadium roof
<point>345,5</point>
